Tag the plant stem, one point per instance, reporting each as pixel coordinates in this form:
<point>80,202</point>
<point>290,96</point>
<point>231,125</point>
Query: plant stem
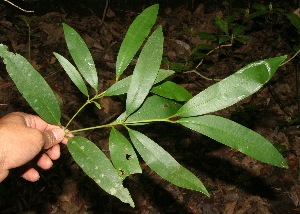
<point>291,58</point>
<point>97,96</point>
<point>27,11</point>
<point>200,63</point>
<point>123,123</point>
<point>85,104</point>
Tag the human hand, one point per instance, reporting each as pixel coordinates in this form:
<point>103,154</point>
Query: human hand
<point>24,137</point>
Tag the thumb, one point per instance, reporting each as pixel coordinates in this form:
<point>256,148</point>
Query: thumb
<point>53,137</point>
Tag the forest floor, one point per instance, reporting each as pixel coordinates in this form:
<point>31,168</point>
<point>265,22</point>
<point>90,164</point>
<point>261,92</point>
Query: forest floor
<point>237,183</point>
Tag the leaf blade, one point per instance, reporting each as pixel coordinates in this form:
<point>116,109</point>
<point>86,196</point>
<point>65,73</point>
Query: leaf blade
<point>172,91</point>
<point>123,155</point>
<point>235,136</point>
<point>39,95</point>
<point>122,86</point>
<point>72,73</point>
<point>232,89</point>
<point>153,108</point>
<point>89,157</point>
<point>136,34</point>
<point>81,56</point>
<point>164,164</point>
<point>145,71</point>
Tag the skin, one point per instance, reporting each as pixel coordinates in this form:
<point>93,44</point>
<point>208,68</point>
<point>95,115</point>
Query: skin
<point>24,137</point>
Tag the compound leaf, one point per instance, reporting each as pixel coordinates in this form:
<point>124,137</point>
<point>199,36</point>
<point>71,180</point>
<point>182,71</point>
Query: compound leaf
<point>164,164</point>
<point>123,155</point>
<point>81,56</point>
<point>121,87</point>
<point>32,85</point>
<point>232,89</point>
<point>235,136</point>
<point>136,34</point>
<point>72,73</point>
<point>145,71</point>
<point>97,166</point>
<point>172,91</point>
<point>155,107</point>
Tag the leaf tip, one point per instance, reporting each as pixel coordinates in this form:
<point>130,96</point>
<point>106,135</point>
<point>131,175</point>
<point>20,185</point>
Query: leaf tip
<point>284,165</point>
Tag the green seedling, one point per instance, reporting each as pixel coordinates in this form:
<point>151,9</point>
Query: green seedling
<point>230,33</point>
<point>268,12</point>
<point>149,99</point>
<point>27,20</point>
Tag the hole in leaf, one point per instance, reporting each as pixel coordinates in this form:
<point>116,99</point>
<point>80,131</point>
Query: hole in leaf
<point>128,156</point>
<point>122,171</point>
<point>166,105</point>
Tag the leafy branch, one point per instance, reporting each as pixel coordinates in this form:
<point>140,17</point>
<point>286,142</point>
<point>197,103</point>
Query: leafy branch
<point>150,97</point>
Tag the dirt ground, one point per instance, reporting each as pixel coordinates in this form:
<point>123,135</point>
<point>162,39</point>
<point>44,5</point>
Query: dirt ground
<point>237,183</point>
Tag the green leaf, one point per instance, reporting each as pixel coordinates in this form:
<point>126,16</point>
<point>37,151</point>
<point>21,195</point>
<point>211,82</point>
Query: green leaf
<point>164,164</point>
<point>97,166</point>
<point>257,14</point>
<point>202,47</point>
<point>162,75</point>
<point>32,85</point>
<point>118,88</point>
<point>122,86</point>
<point>172,90</point>
<point>145,71</point>
<point>229,19</point>
<point>72,73</point>
<point>155,107</point>
<point>123,155</point>
<point>238,29</point>
<point>97,104</point>
<point>295,20</point>
<point>178,67</point>
<point>232,89</point>
<point>81,56</point>
<point>222,24</point>
<point>134,38</point>
<point>235,136</point>
<point>199,56</point>
<point>242,38</point>
<point>224,38</point>
<point>207,36</point>
<point>260,7</point>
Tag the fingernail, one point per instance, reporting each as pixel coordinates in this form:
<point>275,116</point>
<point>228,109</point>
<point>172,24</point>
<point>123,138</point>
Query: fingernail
<point>58,134</point>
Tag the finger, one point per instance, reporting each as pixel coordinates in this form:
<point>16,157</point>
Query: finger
<point>3,175</point>
<point>54,152</point>
<point>34,121</point>
<point>44,161</point>
<point>51,138</point>
<point>31,175</point>
<point>29,120</point>
<point>67,136</point>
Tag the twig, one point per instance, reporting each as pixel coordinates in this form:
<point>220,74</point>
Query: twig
<point>27,11</point>
<point>200,63</point>
<point>105,11</point>
<point>204,77</point>
<point>291,58</point>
